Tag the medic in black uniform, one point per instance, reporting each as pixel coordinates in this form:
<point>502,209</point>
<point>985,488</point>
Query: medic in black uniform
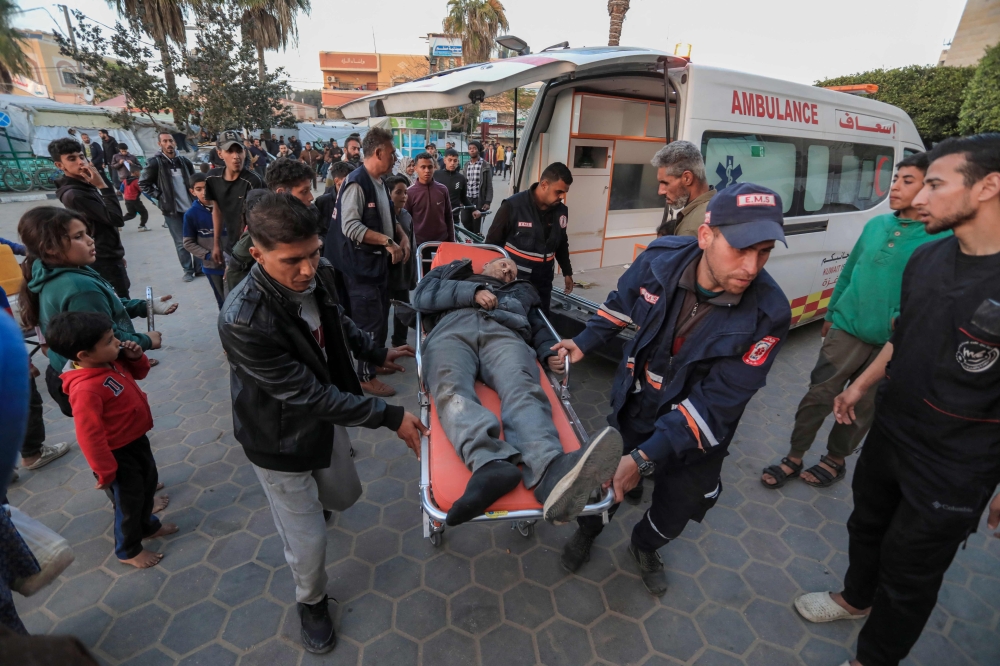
<point>932,459</point>
<point>531,226</point>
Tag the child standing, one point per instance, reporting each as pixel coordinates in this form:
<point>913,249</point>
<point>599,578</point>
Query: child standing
<point>199,237</point>
<point>133,198</point>
<point>112,417</point>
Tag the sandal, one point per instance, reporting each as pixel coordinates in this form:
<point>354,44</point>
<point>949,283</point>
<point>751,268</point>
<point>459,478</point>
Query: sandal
<point>781,477</point>
<point>823,474</point>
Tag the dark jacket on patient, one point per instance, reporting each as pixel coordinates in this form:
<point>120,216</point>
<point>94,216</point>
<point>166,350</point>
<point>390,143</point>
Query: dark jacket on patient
<point>453,287</point>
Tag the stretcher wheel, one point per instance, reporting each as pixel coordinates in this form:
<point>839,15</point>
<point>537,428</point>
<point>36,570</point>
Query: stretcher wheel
<point>437,538</point>
<point>525,527</point>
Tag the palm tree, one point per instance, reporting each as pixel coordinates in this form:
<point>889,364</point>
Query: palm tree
<point>12,59</point>
<point>162,20</point>
<point>270,24</point>
<point>479,22</point>
<point>617,9</point>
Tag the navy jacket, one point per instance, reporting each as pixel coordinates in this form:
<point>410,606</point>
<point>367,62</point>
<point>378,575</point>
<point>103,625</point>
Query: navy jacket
<point>719,368</point>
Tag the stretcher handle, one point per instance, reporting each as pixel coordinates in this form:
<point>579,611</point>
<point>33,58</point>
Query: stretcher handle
<point>149,310</point>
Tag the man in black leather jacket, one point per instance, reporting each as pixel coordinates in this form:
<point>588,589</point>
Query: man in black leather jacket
<point>295,390</point>
<point>167,181</point>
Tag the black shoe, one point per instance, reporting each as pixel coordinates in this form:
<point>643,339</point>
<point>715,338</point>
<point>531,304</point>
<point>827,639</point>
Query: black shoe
<point>327,515</point>
<point>318,636</point>
<point>571,477</point>
<point>577,552</point>
<point>488,484</point>
<point>651,570</point>
<point>634,496</point>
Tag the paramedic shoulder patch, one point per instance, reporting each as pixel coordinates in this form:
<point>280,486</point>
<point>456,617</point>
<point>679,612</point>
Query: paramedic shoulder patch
<point>759,352</point>
<point>563,221</point>
<point>650,298</point>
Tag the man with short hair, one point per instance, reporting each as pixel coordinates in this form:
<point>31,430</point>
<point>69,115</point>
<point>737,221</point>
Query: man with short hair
<point>363,241</point>
<point>167,181</point>
<point>680,170</point>
<point>931,461</point>
<point>352,150</point>
<point>83,189</point>
<point>433,150</point>
<point>429,204</point>
<point>294,146</point>
<point>109,146</point>
<point>122,162</point>
<point>294,393</point>
<point>92,151</point>
<point>710,323</point>
<point>336,153</point>
<point>312,158</point>
<point>227,188</point>
<point>454,180</point>
<point>479,176</point>
<point>531,225</point>
<point>258,158</point>
<point>859,320</point>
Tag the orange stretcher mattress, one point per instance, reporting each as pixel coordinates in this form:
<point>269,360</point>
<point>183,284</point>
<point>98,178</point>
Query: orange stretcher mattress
<point>448,473</point>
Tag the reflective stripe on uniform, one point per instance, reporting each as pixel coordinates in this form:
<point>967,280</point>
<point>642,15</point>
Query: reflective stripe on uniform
<point>714,493</point>
<point>616,318</point>
<point>630,362</point>
<point>702,423</point>
<point>655,380</point>
<point>653,525</point>
<point>530,256</point>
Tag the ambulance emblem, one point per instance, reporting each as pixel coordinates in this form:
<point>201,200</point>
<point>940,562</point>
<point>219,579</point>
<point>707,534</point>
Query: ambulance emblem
<point>759,352</point>
<point>974,356</point>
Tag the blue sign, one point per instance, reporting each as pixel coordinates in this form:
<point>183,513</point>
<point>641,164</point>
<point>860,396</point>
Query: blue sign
<point>4,119</point>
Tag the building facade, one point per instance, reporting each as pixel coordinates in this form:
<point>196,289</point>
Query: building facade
<point>348,76</point>
<point>53,74</point>
<point>978,30</point>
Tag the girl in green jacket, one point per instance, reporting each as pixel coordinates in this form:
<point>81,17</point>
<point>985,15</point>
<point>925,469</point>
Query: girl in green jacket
<point>58,278</point>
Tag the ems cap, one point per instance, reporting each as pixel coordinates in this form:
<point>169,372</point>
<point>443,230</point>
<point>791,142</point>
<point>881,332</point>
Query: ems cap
<point>747,214</point>
<point>227,140</point>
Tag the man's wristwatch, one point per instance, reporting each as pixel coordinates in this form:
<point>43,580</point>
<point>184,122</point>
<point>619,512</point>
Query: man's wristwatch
<point>389,242</point>
<point>646,467</point>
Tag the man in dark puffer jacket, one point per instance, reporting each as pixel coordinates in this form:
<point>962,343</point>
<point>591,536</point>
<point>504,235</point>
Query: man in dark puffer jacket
<point>489,326</point>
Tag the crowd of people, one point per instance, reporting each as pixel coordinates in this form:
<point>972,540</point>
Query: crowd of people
<point>307,287</point>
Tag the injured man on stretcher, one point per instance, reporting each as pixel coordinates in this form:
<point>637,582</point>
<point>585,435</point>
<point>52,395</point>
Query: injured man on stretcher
<point>489,327</point>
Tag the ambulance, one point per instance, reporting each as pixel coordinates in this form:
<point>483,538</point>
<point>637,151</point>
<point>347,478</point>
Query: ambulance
<point>605,111</point>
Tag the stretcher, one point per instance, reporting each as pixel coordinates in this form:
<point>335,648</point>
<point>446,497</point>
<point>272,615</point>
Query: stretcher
<point>443,474</point>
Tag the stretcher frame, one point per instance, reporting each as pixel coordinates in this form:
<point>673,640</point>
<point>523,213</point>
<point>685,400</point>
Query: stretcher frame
<point>523,520</point>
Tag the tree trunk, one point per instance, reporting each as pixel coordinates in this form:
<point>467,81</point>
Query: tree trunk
<point>617,10</point>
<point>261,69</point>
<point>170,79</point>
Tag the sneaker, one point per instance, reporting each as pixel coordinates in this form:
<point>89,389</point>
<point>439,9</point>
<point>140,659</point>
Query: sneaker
<point>165,226</point>
<point>49,453</point>
<point>650,569</point>
<point>378,388</point>
<point>142,227</point>
<point>188,277</point>
<point>577,552</point>
<point>571,477</point>
<point>318,636</point>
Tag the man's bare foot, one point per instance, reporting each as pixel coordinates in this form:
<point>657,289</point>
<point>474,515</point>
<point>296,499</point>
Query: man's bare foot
<point>809,477</point>
<point>144,560</point>
<point>159,486</point>
<point>160,503</point>
<point>770,480</point>
<point>165,529</point>
<point>839,598</point>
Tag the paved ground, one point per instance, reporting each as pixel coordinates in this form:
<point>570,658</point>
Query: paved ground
<point>223,594</point>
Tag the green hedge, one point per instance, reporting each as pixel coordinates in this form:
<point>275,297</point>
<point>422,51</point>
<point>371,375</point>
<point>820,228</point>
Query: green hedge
<point>981,110</point>
<point>932,96</point>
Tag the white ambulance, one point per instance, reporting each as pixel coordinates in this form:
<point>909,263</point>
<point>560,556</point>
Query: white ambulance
<point>601,111</point>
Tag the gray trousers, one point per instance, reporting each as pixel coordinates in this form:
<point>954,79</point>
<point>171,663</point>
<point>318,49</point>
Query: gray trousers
<point>468,345</point>
<point>842,359</point>
<point>175,223</point>
<point>297,501</point>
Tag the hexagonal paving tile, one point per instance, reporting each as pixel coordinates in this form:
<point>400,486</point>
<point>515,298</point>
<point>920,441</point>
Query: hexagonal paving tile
<point>134,631</point>
<point>527,604</point>
<point>673,634</point>
<point>563,644</point>
<point>421,614</point>
<point>619,641</point>
<point>724,628</point>
<point>194,627</point>
<point>506,646</point>
<point>253,623</point>
<point>241,584</point>
<point>579,601</point>
<point>366,617</point>
<point>447,573</point>
<point>475,610</point>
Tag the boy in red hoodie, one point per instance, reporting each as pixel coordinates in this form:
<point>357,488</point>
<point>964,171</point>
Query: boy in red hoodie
<point>112,417</point>
<point>133,198</point>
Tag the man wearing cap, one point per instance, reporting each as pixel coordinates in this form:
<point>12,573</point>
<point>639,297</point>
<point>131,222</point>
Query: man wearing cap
<point>227,187</point>
<point>710,323</point>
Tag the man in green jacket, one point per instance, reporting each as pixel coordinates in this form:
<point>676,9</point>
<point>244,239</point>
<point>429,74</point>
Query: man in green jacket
<point>859,321</point>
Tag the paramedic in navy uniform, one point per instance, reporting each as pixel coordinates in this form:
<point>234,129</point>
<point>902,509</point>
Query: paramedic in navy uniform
<point>531,226</point>
<point>710,323</point>
<point>931,461</point>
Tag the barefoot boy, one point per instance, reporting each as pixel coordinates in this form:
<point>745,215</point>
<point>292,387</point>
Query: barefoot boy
<point>112,417</point>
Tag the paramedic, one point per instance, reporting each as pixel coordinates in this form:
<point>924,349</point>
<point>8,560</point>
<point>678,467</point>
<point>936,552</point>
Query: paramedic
<point>710,322</point>
<point>488,326</point>
<point>531,226</point>
<point>931,461</point>
<point>680,170</point>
